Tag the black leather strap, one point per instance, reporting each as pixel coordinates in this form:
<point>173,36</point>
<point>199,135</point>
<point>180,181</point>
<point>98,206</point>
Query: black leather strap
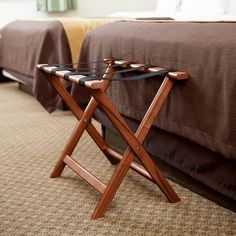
<point>53,71</point>
<point>93,74</point>
<point>137,77</point>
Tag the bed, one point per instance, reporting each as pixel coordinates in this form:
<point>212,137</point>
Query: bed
<point>195,131</point>
<point>24,43</point>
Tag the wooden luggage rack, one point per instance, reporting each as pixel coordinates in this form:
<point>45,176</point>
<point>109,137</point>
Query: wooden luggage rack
<point>97,88</point>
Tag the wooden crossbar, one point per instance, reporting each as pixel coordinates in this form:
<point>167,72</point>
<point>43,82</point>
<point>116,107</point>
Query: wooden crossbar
<point>97,88</point>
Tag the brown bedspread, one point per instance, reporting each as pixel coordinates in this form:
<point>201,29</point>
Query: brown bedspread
<point>23,44</point>
<point>201,109</point>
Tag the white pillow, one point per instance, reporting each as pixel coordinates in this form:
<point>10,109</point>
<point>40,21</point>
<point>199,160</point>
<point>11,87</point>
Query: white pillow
<point>167,6</point>
<point>204,7</point>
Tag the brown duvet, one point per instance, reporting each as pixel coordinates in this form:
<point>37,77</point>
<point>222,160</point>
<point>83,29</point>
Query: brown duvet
<point>37,42</point>
<point>202,109</point>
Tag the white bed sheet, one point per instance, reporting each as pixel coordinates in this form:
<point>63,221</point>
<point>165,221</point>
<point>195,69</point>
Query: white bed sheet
<point>179,16</point>
<point>187,10</point>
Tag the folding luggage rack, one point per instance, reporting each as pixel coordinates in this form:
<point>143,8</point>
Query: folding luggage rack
<point>96,86</point>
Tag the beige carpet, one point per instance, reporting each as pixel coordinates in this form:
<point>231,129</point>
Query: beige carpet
<point>33,204</point>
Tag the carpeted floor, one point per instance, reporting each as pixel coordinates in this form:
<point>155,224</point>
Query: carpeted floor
<point>33,204</point>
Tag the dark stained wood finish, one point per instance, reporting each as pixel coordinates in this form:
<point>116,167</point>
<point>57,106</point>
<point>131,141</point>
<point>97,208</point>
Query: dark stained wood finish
<point>133,165</point>
<point>86,175</point>
<point>81,125</point>
<point>97,90</point>
<point>176,75</point>
<point>135,147</point>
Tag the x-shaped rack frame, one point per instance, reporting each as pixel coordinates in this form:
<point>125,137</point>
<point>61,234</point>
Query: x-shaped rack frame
<point>99,98</point>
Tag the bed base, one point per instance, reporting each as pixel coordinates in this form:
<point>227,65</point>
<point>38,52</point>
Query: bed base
<point>97,90</point>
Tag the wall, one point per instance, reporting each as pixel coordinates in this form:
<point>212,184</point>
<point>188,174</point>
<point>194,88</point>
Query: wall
<point>105,7</point>
<point>20,9</point>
